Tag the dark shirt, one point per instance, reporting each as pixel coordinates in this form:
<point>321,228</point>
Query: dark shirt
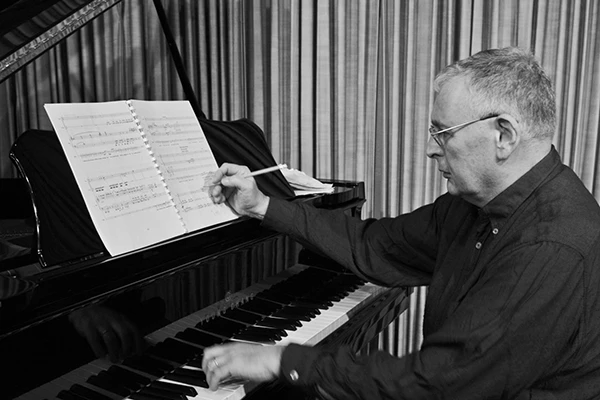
<point>512,309</point>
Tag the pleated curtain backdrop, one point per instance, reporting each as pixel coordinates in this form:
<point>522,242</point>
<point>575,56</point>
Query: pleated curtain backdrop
<point>342,88</point>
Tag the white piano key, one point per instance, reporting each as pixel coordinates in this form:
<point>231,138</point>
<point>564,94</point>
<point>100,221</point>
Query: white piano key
<point>223,393</point>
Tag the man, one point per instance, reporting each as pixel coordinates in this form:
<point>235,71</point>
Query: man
<point>510,254</point>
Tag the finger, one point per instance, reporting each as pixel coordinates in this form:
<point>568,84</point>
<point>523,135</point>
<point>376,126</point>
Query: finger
<point>241,181</point>
<point>219,351</point>
<point>213,379</point>
<point>127,334</point>
<point>112,343</point>
<point>227,169</point>
<point>216,191</point>
<point>219,195</point>
<point>96,342</point>
<point>137,343</point>
<point>217,176</point>
<point>218,371</point>
<point>209,354</point>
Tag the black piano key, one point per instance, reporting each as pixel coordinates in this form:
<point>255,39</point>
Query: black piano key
<point>344,283</point>
<point>163,353</point>
<point>324,304</point>
<point>128,384</point>
<point>298,306</point>
<point>121,373</point>
<point>325,297</point>
<point>175,388</point>
<point>341,287</point>
<point>196,380</point>
<point>285,298</point>
<point>307,303</point>
<point>221,326</point>
<point>183,348</point>
<point>314,307</point>
<point>174,350</point>
<point>271,296</point>
<point>279,323</point>
<point>197,363</point>
<point>87,393</point>
<point>289,313</point>
<point>260,306</point>
<point>266,308</point>
<point>144,396</point>
<point>274,333</point>
<point>66,395</point>
<point>278,296</point>
<point>163,394</point>
<point>242,316</point>
<point>293,287</point>
<point>254,338</point>
<point>201,338</point>
<point>148,365</point>
<point>351,279</point>
<point>196,373</point>
<point>105,382</point>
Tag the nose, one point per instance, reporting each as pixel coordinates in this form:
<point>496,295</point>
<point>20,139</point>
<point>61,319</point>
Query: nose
<point>433,148</point>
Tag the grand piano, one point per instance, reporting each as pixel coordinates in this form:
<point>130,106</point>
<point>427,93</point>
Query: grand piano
<point>234,281</point>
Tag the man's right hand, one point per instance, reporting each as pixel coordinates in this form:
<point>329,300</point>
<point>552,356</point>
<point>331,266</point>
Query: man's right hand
<point>231,184</point>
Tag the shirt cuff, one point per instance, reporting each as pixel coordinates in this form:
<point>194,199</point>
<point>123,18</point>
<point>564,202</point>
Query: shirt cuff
<point>297,367</point>
<point>277,214</point>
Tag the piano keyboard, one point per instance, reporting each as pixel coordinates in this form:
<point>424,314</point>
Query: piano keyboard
<point>170,367</point>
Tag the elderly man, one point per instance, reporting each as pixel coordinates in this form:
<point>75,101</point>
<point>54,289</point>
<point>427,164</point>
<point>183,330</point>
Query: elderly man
<point>510,254</point>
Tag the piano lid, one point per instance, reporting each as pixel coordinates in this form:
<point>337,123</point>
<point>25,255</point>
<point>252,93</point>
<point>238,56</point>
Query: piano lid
<point>30,27</point>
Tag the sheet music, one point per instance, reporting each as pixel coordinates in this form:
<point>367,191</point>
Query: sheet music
<point>121,186</point>
<point>185,158</point>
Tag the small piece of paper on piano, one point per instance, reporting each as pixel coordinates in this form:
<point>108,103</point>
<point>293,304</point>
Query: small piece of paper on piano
<point>305,185</point>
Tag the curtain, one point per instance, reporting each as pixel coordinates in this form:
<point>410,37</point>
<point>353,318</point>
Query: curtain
<point>341,88</point>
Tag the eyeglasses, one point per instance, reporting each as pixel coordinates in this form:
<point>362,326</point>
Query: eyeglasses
<point>435,133</point>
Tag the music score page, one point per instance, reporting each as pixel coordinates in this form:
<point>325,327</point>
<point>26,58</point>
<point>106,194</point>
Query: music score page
<point>125,190</point>
<point>185,159</point>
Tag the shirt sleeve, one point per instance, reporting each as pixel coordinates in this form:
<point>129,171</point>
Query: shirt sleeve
<point>388,251</point>
<point>524,310</point>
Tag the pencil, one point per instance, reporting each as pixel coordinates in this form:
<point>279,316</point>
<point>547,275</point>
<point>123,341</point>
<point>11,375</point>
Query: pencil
<point>267,170</point>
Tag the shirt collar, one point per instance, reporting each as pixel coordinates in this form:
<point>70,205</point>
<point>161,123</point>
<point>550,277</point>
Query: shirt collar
<point>505,204</point>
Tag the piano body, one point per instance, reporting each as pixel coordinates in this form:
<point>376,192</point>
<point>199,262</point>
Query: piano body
<point>235,281</point>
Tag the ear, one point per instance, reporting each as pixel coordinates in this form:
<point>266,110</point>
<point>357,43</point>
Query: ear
<point>508,135</point>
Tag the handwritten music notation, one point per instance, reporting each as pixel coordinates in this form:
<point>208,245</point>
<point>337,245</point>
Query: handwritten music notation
<point>126,192</point>
<point>89,139</point>
<point>113,135</point>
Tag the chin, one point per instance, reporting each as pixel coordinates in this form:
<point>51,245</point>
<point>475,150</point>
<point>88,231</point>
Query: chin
<point>451,188</point>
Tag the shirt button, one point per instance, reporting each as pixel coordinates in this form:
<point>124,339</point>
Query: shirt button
<point>495,231</point>
<point>294,375</point>
<point>478,245</point>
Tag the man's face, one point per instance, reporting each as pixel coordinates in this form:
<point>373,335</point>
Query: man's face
<point>467,155</point>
